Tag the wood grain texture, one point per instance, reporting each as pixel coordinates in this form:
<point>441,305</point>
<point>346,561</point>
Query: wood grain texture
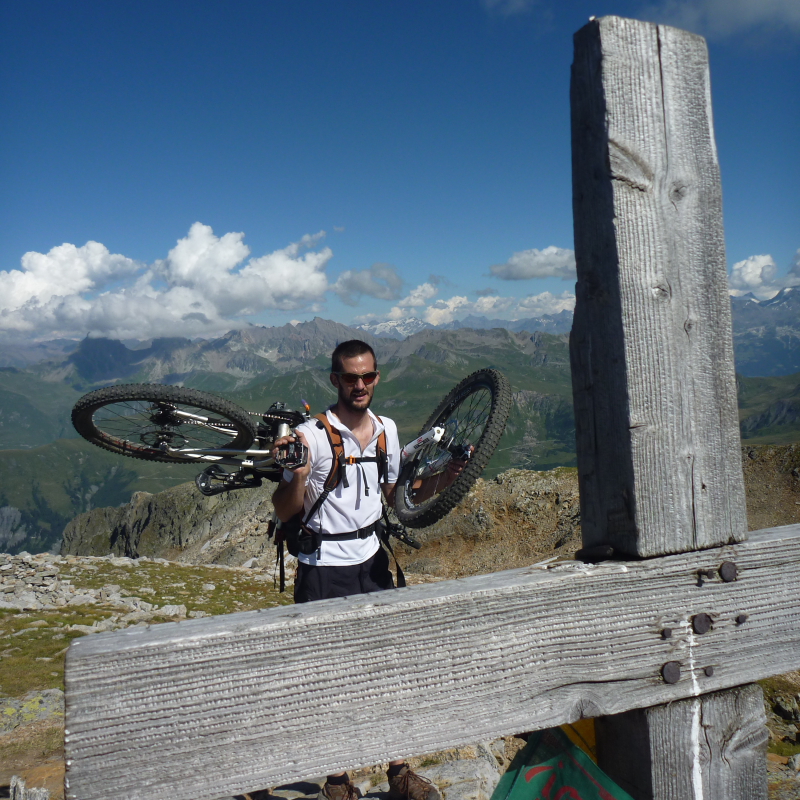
<point>652,355</point>
<point>217,706</point>
<point>712,747</point>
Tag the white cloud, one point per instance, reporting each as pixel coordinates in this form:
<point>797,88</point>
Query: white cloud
<point>417,298</point>
<point>793,276</point>
<point>756,274</point>
<point>536,305</point>
<point>66,270</point>
<point>552,262</point>
<point>380,281</point>
<point>726,17</point>
<point>442,311</point>
<point>203,287</point>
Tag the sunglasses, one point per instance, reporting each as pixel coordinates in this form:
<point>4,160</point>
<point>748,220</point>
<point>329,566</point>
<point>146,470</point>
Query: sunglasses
<point>352,378</point>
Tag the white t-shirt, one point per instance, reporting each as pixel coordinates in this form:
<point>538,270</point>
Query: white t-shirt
<point>346,508</point>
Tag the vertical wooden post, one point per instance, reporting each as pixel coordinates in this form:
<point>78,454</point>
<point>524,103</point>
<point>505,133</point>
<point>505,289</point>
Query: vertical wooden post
<point>658,447</point>
<point>654,388</point>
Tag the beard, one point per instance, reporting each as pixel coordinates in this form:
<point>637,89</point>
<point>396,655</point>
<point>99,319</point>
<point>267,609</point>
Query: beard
<point>361,403</point>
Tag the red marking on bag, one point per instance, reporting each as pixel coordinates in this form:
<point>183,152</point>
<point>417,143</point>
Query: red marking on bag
<point>533,772</point>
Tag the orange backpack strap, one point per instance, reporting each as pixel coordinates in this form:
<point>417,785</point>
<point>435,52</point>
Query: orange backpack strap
<point>338,472</point>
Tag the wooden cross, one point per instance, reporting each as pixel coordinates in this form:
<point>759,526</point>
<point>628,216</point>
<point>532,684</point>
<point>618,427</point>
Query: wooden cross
<point>652,642</point>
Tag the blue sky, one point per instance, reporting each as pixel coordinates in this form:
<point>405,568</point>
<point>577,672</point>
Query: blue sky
<point>169,168</point>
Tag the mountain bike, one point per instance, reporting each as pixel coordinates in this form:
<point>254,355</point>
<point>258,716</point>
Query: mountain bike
<point>172,424</point>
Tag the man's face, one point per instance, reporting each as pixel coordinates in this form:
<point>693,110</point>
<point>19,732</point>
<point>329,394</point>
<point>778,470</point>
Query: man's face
<point>356,396</point>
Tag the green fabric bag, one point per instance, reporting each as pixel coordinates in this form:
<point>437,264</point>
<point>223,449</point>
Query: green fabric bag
<point>551,767</point>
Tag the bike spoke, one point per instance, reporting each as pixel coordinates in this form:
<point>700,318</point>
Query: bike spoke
<point>133,420</point>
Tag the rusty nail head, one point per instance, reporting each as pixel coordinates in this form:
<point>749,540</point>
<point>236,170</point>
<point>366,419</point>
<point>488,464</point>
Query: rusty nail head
<point>671,672</point>
<point>728,571</point>
<point>666,633</point>
<point>701,623</point>
<point>741,619</point>
<point>709,671</point>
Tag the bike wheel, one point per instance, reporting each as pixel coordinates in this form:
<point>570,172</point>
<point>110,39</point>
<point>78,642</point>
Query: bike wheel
<point>136,419</point>
<point>473,415</point>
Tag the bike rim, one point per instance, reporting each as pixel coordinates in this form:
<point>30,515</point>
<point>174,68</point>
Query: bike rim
<point>464,422</point>
<point>148,423</point>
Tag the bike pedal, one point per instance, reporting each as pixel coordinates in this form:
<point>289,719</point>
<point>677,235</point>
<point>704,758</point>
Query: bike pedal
<point>292,455</point>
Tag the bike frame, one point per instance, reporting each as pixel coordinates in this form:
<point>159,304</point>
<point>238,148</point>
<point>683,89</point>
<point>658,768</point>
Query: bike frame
<point>263,459</point>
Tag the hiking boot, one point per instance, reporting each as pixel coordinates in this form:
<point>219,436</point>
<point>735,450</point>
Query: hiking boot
<point>339,791</point>
<point>407,785</point>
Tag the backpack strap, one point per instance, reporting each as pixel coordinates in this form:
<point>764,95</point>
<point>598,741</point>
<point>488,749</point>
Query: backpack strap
<point>338,472</point>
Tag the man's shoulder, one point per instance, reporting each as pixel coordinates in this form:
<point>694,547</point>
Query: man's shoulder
<point>389,426</point>
<point>313,430</point>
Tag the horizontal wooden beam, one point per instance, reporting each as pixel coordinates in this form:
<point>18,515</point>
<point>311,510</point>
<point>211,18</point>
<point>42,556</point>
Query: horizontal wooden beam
<point>206,707</point>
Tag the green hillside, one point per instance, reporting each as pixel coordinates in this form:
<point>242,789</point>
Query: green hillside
<point>769,409</point>
<point>33,411</point>
<point>45,487</point>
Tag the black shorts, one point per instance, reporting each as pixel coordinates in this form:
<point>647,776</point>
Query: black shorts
<point>322,583</point>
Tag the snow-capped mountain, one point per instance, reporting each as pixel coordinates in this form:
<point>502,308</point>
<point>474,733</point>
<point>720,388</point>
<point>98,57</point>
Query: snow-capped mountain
<point>394,329</point>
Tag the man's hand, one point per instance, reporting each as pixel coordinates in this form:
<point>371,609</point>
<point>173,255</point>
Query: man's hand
<point>435,484</point>
<point>289,496</point>
<point>302,470</point>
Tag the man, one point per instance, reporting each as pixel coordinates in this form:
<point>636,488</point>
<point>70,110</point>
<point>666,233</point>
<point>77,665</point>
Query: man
<point>349,558</point>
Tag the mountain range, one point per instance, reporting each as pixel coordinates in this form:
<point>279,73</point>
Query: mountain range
<point>47,474</point>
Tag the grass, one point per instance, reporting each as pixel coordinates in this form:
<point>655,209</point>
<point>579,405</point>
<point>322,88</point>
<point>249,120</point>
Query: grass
<point>33,643</point>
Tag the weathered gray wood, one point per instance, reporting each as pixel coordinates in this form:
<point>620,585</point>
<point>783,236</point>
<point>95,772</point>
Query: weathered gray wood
<point>218,706</point>
<point>19,791</point>
<point>651,345</point>
<point>714,747</point>
<point>652,355</point>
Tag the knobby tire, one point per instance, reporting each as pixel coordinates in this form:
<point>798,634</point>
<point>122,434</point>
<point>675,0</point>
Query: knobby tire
<point>422,514</point>
<point>120,419</point>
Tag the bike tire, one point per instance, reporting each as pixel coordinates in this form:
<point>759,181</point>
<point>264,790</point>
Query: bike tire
<point>484,399</point>
<point>132,418</point>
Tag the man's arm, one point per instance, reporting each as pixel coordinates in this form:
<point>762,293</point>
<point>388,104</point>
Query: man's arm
<point>388,493</point>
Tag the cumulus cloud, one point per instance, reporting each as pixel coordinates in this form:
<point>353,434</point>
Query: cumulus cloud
<point>535,305</point>
<point>380,281</point>
<point>66,270</point>
<point>756,274</point>
<point>203,286</point>
<point>416,299</point>
<point>722,18</point>
<point>552,262</point>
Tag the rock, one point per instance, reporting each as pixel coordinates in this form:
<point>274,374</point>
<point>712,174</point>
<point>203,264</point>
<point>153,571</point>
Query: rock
<point>82,600</point>
<point>26,601</point>
<point>786,707</point>
<point>224,529</point>
<point>34,706</point>
<point>172,611</point>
